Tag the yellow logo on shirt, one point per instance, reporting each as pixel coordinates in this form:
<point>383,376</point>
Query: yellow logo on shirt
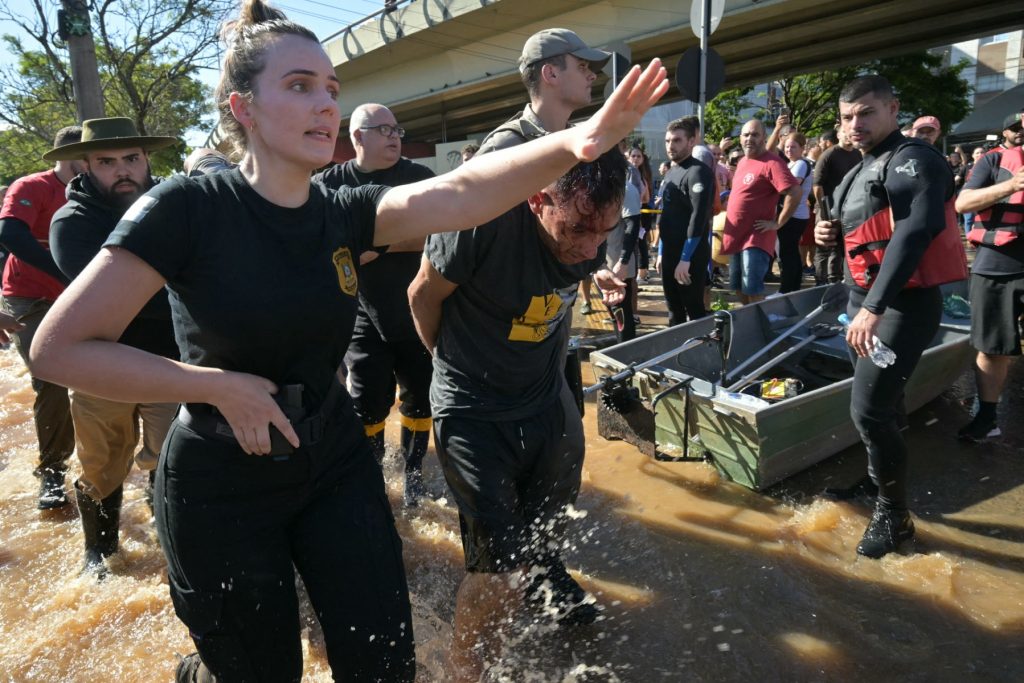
<point>347,279</point>
<point>535,324</point>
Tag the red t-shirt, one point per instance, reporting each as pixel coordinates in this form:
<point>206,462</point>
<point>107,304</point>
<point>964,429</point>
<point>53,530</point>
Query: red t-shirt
<point>755,196</point>
<point>33,200</point>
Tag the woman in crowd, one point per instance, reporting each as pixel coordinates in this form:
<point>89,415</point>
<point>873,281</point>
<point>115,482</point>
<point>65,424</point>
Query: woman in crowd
<point>642,163</point>
<point>790,263</point>
<point>267,468</point>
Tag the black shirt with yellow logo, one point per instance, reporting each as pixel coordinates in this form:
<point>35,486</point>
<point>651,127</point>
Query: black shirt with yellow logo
<point>256,287</point>
<point>504,331</point>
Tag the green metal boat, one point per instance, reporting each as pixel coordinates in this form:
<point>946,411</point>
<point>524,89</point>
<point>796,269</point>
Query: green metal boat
<point>677,408</point>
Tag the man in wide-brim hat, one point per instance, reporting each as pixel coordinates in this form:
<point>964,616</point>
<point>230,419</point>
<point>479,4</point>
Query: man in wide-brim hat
<point>107,432</point>
<point>116,155</point>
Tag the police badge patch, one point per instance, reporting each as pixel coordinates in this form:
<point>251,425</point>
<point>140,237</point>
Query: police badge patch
<point>698,187</point>
<point>347,278</point>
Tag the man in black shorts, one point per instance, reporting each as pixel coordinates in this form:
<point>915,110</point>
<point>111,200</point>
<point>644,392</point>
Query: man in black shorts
<point>687,200</point>
<point>995,190</point>
<point>901,241</point>
<point>385,348</point>
<point>508,434</point>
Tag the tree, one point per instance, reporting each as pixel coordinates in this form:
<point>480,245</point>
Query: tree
<point>722,114</point>
<point>922,83</point>
<point>149,54</point>
<point>923,86</point>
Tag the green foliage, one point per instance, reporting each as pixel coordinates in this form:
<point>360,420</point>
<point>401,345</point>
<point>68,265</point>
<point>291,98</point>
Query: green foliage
<point>148,52</point>
<point>922,83</point>
<point>722,114</point>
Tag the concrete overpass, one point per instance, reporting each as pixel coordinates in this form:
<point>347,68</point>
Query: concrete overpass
<point>447,68</point>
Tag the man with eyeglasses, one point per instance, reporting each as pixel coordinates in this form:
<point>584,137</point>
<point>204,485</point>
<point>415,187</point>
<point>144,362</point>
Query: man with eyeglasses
<point>385,348</point>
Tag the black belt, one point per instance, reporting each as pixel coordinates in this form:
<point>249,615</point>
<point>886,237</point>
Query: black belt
<point>206,421</point>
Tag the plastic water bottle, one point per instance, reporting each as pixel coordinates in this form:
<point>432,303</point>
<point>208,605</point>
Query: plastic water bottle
<point>880,354</point>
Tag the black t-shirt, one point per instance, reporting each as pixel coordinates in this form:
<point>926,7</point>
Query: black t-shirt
<point>990,259</point>
<point>504,331</point>
<point>687,201</point>
<point>256,287</point>
<point>383,282</point>
<point>77,232</point>
<point>833,165</point>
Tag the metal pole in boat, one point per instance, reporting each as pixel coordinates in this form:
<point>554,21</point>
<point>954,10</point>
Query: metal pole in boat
<point>833,299</point>
<point>632,369</point>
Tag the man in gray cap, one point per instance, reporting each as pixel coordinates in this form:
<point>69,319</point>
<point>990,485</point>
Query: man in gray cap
<point>558,70</point>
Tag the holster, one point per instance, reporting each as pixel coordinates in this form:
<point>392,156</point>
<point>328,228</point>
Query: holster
<point>206,420</point>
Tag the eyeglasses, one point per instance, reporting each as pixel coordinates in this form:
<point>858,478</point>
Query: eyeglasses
<point>386,129</point>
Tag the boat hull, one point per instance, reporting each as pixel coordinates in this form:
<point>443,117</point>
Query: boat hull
<point>753,442</point>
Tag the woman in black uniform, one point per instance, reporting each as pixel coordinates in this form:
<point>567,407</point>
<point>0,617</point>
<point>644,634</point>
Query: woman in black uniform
<point>267,469</point>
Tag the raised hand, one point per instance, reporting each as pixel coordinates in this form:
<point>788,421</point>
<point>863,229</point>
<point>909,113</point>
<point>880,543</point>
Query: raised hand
<point>638,92</point>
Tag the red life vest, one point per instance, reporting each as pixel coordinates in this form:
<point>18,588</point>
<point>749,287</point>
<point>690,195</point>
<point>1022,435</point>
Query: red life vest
<point>943,261</point>
<point>1003,222</point>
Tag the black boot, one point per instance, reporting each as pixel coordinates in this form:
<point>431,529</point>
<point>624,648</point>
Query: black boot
<point>865,488</point>
<point>51,489</point>
<point>99,522</point>
<point>414,447</point>
<point>888,528</point>
<point>555,593</point>
<point>192,670</point>
<point>377,443</point>
<point>149,491</point>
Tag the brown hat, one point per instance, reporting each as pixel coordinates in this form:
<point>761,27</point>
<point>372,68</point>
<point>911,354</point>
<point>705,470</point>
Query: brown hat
<point>116,132</point>
<point>553,42</point>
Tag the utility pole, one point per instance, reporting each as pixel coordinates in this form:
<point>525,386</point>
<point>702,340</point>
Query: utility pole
<point>76,31</point>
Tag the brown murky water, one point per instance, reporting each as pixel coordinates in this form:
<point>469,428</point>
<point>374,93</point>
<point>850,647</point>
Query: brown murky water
<point>701,580</point>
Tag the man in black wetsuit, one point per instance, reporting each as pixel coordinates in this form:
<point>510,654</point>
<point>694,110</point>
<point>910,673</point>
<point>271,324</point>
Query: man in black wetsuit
<point>107,432</point>
<point>893,271</point>
<point>385,348</point>
<point>687,201</point>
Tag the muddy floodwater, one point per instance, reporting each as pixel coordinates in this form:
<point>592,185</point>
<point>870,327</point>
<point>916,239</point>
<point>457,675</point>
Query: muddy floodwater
<point>700,579</point>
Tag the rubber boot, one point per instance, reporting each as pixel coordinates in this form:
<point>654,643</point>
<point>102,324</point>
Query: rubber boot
<point>375,433</point>
<point>99,522</point>
<point>554,593</point>
<point>149,491</point>
<point>51,490</point>
<point>414,447</point>
<point>863,488</point>
<point>192,670</point>
<point>888,528</point>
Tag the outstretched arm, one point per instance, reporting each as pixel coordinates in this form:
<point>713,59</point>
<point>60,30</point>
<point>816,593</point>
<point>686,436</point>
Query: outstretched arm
<point>475,193</point>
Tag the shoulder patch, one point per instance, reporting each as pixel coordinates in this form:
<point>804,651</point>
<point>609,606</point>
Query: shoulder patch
<point>137,211</point>
<point>908,169</point>
<point>343,264</point>
<point>698,187</point>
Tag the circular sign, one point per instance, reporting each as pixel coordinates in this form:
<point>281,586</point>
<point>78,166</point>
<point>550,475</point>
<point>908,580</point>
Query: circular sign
<point>688,74</point>
<point>717,10</point>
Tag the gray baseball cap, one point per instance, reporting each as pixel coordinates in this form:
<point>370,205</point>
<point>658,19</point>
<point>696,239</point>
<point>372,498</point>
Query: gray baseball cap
<point>552,42</point>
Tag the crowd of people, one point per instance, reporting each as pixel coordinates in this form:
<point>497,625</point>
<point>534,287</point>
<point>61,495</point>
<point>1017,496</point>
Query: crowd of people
<point>151,301</point>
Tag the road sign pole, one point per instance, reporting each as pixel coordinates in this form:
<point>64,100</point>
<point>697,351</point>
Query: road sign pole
<point>705,32</point>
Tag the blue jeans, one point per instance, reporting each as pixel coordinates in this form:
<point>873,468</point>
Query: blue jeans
<point>747,270</point>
